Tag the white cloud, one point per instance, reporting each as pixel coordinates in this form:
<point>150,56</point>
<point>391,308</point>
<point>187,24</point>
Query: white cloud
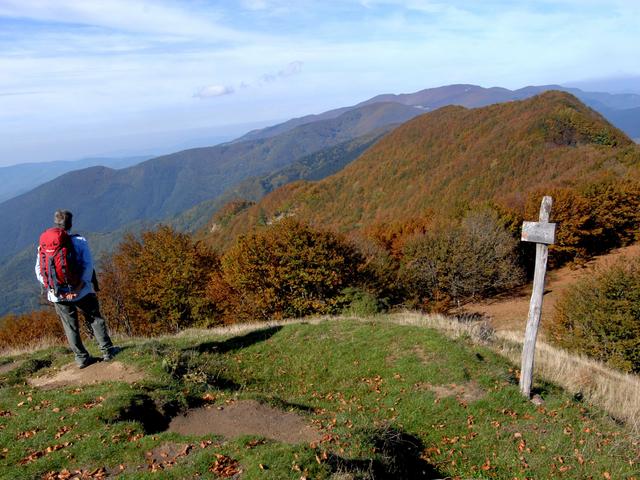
<point>87,62</point>
<point>140,16</point>
<point>214,91</point>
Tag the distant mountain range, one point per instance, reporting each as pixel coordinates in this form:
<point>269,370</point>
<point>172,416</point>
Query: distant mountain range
<point>21,178</point>
<point>185,188</point>
<point>440,163</point>
<point>621,107</point>
<point>104,199</point>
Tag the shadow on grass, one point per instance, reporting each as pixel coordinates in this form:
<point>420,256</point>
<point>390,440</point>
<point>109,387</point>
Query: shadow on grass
<point>237,343</point>
<point>397,457</point>
<point>137,408</point>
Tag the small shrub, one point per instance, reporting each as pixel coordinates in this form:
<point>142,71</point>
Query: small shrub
<point>157,284</point>
<point>194,368</point>
<point>361,303</point>
<point>454,265</point>
<point>379,271</point>
<point>289,270</point>
<point>600,316</point>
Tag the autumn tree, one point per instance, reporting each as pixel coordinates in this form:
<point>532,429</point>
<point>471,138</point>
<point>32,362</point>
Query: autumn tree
<point>289,269</point>
<point>453,265</point>
<point>590,220</point>
<point>600,315</point>
<point>157,283</point>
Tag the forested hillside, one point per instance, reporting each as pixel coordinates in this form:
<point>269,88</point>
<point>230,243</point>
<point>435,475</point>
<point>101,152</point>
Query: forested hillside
<point>441,164</point>
<point>103,199</point>
<point>17,270</point>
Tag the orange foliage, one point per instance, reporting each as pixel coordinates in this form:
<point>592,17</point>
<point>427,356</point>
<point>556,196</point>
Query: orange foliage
<point>590,220</point>
<point>288,270</point>
<point>17,331</point>
<point>450,161</point>
<point>392,236</point>
<point>157,284</point>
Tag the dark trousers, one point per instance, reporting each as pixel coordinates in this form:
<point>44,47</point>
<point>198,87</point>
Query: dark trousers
<point>68,313</point>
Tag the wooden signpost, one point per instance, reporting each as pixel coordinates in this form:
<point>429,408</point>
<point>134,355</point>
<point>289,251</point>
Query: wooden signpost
<point>542,233</point>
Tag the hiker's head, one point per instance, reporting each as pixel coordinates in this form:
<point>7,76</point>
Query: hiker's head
<point>63,219</point>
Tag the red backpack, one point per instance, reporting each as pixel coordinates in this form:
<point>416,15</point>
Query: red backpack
<point>58,265</point>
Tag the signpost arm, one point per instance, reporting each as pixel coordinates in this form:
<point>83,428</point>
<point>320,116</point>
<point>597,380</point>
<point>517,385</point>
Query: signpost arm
<point>535,307</point>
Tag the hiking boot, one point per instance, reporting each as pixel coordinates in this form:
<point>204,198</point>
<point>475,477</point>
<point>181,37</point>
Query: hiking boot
<point>87,362</point>
<point>113,351</point>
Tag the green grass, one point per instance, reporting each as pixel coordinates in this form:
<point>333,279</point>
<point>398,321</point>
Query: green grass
<point>371,386</point>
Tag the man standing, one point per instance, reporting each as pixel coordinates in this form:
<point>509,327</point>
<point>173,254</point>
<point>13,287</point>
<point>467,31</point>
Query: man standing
<point>69,257</point>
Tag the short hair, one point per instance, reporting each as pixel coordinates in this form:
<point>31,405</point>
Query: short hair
<point>63,219</point>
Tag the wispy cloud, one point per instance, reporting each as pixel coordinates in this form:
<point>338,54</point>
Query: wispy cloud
<point>141,16</point>
<point>15,94</point>
<point>291,69</point>
<point>214,91</point>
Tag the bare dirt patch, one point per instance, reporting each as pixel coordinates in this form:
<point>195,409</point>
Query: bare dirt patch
<point>246,417</point>
<point>425,357</point>
<point>510,312</point>
<point>467,392</point>
<point>99,372</point>
<point>7,367</point>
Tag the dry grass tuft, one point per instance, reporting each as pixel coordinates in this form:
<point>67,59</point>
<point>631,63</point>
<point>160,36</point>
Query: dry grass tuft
<point>38,344</point>
<point>615,392</point>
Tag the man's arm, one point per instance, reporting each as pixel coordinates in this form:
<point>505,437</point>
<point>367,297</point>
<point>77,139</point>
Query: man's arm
<point>38,274</point>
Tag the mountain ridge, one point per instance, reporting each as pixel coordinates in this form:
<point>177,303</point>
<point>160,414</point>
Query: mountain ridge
<point>104,199</point>
<point>474,96</point>
<point>446,159</point>
<point>21,178</point>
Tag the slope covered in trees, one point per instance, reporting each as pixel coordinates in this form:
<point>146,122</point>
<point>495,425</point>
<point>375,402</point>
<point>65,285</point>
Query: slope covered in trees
<point>438,166</point>
<point>104,199</point>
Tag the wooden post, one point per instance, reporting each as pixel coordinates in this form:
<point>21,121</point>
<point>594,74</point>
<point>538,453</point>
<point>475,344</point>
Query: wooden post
<point>543,234</point>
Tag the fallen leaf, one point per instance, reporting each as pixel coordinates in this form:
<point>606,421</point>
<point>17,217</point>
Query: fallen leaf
<point>61,431</point>
<point>224,466</point>
<point>31,457</point>
<point>255,443</point>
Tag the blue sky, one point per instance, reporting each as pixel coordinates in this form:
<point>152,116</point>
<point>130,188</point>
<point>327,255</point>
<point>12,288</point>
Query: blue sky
<point>110,77</point>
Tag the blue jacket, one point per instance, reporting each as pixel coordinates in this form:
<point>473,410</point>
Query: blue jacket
<point>85,262</point>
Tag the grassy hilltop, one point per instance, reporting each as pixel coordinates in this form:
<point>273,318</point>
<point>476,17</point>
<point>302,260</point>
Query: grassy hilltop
<point>386,401</point>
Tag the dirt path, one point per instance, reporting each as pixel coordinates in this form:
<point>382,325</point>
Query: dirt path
<point>510,312</point>
<point>246,417</point>
<point>70,375</point>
